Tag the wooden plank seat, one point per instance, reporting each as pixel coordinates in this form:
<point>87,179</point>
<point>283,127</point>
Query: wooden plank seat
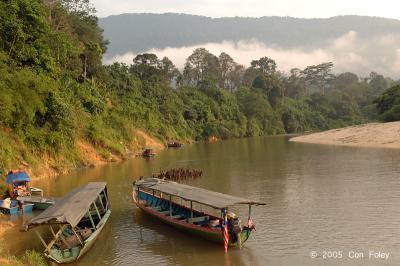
<point>177,217</point>
<point>199,219</point>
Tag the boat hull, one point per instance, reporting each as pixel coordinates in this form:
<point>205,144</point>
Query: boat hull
<point>27,207</point>
<point>88,243</point>
<point>92,239</point>
<point>39,203</point>
<point>175,145</point>
<point>209,234</point>
<point>12,210</point>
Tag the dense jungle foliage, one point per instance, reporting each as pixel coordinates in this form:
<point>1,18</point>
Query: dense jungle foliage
<point>388,104</point>
<point>54,91</point>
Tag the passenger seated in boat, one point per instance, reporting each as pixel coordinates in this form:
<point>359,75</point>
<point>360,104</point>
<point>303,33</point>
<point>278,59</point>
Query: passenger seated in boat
<point>21,189</point>
<point>200,220</point>
<point>214,223</point>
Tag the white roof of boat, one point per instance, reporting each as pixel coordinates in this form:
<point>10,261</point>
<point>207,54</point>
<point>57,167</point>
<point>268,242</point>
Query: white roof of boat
<point>200,195</point>
<point>71,208</point>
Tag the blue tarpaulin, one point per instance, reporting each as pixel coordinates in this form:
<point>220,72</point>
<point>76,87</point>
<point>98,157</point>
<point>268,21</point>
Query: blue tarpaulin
<point>18,177</point>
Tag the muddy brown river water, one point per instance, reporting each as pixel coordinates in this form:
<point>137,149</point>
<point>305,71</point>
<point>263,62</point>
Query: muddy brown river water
<point>340,205</point>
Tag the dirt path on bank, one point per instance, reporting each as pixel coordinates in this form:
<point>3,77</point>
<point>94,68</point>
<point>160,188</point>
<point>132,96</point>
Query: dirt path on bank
<point>149,141</point>
<point>378,135</point>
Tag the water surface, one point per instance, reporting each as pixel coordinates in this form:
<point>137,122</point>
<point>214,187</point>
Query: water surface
<point>319,198</point>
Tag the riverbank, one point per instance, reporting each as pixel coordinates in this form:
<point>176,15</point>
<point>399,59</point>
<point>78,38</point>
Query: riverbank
<point>83,154</point>
<point>375,135</point>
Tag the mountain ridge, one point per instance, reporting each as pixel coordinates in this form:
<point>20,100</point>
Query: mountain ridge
<point>139,32</point>
<point>246,17</point>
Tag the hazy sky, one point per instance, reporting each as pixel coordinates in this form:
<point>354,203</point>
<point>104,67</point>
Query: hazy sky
<point>253,8</point>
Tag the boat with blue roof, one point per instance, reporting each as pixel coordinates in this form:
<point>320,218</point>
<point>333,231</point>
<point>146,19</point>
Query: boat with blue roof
<point>26,195</point>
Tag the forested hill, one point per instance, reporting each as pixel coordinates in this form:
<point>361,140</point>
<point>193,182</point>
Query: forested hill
<point>60,107</point>
<point>140,32</point>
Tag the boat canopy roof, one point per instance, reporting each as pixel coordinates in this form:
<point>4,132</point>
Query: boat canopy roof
<point>17,177</point>
<point>71,208</point>
<point>203,196</point>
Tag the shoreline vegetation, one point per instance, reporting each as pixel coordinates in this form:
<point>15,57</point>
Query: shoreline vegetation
<point>30,257</point>
<point>373,135</point>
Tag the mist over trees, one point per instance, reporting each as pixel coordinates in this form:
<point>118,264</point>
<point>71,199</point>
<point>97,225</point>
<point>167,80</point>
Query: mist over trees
<point>358,44</point>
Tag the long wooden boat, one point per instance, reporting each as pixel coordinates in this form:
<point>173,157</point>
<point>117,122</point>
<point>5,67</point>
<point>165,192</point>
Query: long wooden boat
<point>174,144</point>
<point>148,152</point>
<point>75,222</point>
<point>155,197</point>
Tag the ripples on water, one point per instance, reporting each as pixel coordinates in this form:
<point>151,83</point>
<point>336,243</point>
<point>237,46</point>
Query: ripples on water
<point>318,198</point>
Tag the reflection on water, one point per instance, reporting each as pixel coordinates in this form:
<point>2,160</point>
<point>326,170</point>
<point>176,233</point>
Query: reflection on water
<point>318,198</point>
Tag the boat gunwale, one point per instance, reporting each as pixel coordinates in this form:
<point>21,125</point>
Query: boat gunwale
<point>88,242</point>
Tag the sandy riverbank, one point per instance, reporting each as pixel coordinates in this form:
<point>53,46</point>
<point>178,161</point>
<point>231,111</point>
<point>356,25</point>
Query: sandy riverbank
<point>378,135</point>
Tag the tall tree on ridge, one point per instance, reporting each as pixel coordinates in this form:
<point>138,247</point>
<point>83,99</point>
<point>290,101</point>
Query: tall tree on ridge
<point>295,84</point>
<point>319,75</point>
<point>201,68</point>
<point>265,65</point>
<point>227,66</point>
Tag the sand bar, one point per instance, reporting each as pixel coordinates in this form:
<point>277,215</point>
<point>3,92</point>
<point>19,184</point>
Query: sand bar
<point>377,135</point>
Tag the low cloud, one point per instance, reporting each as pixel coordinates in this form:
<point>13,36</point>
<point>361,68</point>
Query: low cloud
<point>349,52</point>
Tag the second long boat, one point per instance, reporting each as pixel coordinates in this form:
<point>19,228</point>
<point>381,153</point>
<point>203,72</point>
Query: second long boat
<point>160,199</point>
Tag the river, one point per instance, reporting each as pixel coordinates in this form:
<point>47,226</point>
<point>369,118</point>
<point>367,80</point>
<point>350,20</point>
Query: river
<point>324,199</point>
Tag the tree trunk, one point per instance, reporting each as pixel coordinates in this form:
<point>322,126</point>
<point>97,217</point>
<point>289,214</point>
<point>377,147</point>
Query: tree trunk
<point>85,69</point>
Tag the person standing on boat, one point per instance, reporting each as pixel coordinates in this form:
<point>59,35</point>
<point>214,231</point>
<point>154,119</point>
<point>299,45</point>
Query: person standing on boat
<point>234,227</point>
